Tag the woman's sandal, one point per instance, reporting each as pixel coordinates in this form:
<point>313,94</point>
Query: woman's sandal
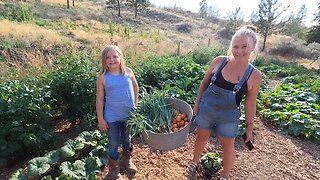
<point>192,168</point>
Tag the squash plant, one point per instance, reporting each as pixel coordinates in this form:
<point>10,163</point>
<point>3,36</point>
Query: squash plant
<point>80,158</point>
<point>211,163</point>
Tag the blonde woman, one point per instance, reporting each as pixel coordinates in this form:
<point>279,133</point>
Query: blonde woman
<point>227,80</point>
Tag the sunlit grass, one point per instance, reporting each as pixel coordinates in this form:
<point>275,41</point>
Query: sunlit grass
<point>55,1</point>
<point>28,32</point>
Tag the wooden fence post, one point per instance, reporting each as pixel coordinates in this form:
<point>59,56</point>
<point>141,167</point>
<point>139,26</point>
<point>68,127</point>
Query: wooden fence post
<point>179,48</point>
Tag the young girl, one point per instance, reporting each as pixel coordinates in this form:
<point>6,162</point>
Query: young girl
<point>117,94</point>
<point>227,80</point>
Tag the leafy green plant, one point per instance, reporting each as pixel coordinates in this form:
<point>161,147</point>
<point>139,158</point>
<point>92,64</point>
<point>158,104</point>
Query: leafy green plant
<point>152,113</point>
<point>294,108</point>
<point>38,166</point>
<point>84,155</point>
<point>19,13</point>
<point>25,108</point>
<point>73,85</point>
<point>211,163</point>
<point>75,170</point>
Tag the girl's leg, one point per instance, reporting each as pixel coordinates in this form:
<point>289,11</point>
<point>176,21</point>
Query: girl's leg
<point>125,136</point>
<point>114,140</point>
<point>228,156</point>
<point>126,160</point>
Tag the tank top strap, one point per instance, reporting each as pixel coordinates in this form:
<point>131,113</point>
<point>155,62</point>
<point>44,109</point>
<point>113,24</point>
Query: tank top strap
<point>245,77</point>
<point>221,65</point>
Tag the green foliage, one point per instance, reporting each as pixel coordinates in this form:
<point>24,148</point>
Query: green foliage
<point>179,76</point>
<point>38,166</point>
<point>25,108</point>
<point>294,26</point>
<point>211,163</point>
<point>138,5</point>
<point>294,108</point>
<point>266,19</point>
<point>234,20</point>
<point>156,70</point>
<point>204,56</point>
<point>185,85</point>
<point>152,113</point>
<point>86,161</point>
<point>203,12</point>
<point>280,69</point>
<point>19,13</point>
<point>73,85</point>
<point>314,35</point>
<point>74,171</point>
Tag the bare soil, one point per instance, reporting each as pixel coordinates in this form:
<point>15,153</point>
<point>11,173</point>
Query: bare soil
<point>275,156</point>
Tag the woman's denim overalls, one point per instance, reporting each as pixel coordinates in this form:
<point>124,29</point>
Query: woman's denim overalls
<point>218,108</point>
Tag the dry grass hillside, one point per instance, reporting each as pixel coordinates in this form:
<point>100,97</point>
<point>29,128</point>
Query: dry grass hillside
<point>56,30</point>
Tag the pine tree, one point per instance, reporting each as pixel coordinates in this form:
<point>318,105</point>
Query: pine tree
<point>138,5</point>
<point>235,19</point>
<point>295,25</point>
<point>314,34</point>
<point>203,9</point>
<point>266,17</point>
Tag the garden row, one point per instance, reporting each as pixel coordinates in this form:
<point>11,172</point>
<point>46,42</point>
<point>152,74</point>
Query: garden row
<point>81,158</point>
<point>294,104</point>
<point>28,105</point>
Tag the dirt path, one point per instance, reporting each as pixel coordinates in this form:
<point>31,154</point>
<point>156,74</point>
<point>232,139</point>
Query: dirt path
<point>275,156</point>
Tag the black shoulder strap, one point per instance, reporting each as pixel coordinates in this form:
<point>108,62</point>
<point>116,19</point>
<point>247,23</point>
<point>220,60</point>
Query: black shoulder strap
<point>221,65</point>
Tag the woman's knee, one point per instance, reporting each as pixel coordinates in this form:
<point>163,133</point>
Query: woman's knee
<point>226,143</point>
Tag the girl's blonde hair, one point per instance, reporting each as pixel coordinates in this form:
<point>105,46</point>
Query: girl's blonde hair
<point>248,31</point>
<point>104,53</point>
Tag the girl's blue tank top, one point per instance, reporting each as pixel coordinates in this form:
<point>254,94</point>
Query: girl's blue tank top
<point>119,97</point>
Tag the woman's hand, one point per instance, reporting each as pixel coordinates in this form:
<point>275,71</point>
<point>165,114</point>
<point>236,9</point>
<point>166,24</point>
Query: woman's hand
<point>103,126</point>
<point>249,136</point>
<point>195,109</point>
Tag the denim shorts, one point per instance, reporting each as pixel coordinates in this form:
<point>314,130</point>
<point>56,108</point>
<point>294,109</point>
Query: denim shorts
<point>218,111</point>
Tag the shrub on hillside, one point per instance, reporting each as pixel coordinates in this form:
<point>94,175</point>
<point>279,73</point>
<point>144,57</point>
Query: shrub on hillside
<point>225,33</point>
<point>204,56</point>
<point>184,28</point>
<point>295,49</point>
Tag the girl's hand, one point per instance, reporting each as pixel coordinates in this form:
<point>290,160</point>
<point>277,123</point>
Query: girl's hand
<point>103,126</point>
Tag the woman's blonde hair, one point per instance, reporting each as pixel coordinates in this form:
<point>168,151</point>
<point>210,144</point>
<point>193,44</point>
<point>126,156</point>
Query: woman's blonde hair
<point>250,32</point>
<point>104,56</point>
